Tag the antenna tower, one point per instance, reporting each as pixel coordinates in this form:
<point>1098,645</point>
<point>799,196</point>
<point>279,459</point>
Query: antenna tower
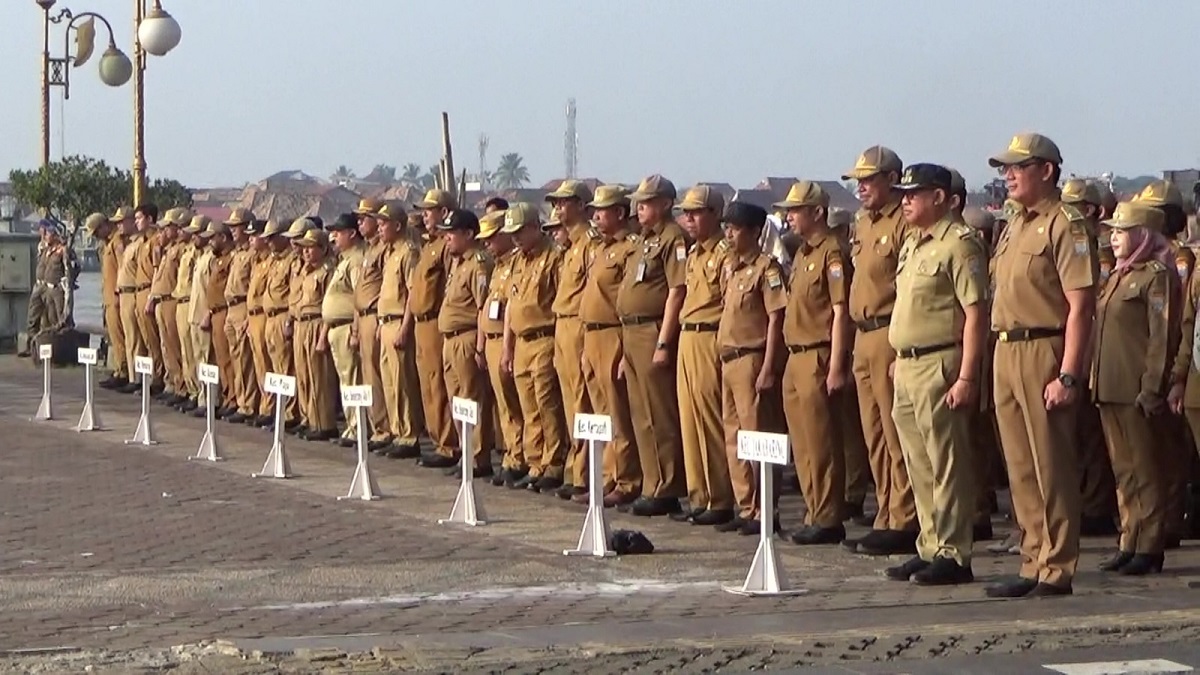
<point>483,165</point>
<point>571,144</point>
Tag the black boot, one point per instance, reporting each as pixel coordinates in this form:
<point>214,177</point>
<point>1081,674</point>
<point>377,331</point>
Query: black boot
<point>1143,563</point>
<point>1116,562</point>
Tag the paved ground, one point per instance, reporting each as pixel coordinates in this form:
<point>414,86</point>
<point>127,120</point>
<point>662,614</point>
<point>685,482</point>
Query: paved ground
<point>111,555</point>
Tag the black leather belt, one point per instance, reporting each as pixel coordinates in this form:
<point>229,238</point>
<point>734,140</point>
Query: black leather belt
<point>1027,334</point>
<point>126,289</point>
<point>256,311</point>
<point>236,300</point>
<point>800,349</point>
<point>276,311</point>
<point>592,325</point>
<point>493,336</point>
<point>537,333</point>
<point>308,317</point>
<point>456,333</point>
<point>639,320</point>
<point>873,323</point>
<point>184,300</point>
<point>388,318</point>
<point>366,312</point>
<point>218,308</point>
<point>336,323</point>
<point>427,316</point>
<point>699,327</point>
<point>566,316</point>
<point>917,352</point>
<point>738,352</point>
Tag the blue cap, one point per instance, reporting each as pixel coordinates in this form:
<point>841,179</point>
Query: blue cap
<point>55,226</point>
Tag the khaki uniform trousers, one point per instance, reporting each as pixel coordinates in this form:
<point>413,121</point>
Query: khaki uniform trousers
<point>1099,491</point>
<point>568,345</point>
<point>316,381</point>
<point>398,369</point>
<point>938,454</point>
<point>873,356</point>
<point>601,357</point>
<point>703,422</point>
<point>858,463</point>
<point>116,339</point>
<point>508,405</point>
<point>187,352</point>
<point>655,412</point>
<point>346,365</point>
<point>434,399</point>
<point>279,351</point>
<point>1133,451</point>
<point>743,407</point>
<point>1043,467</point>
<point>241,359</point>
<point>165,315</point>
<point>545,430</point>
<point>202,351</point>
<point>464,379</point>
<point>817,449</point>
<point>368,367</point>
<point>220,348</point>
<point>133,335</point>
<point>256,332</point>
<point>148,327</point>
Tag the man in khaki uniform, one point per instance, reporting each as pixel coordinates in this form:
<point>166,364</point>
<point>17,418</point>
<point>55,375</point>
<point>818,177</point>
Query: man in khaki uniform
<point>529,348</point>
<point>277,308</point>
<point>339,315</point>
<point>145,217</point>
<point>237,317</point>
<point>198,307</point>
<point>1044,274</point>
<point>296,275</point>
<point>365,336</point>
<point>939,332</point>
<point>182,293</point>
<point>425,295</point>
<point>110,248</point>
<point>260,403</point>
<point>648,303</point>
<point>397,358</point>
<point>316,380</point>
<point>127,288</point>
<point>569,210</point>
<point>51,301</point>
<point>220,245</point>
<point>164,305</point>
<point>698,380</point>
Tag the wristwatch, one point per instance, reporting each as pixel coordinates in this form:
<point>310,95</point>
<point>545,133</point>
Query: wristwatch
<point>1068,380</point>
<point>661,345</point>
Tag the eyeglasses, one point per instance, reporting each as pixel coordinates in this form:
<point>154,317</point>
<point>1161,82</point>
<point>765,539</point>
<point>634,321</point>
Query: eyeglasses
<point>1003,170</point>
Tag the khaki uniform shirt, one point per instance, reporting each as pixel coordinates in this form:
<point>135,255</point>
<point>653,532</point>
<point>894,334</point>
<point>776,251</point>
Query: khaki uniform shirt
<point>497,297</point>
<point>608,260</point>
<point>297,271</point>
<point>127,272</point>
<point>111,251</point>
<point>338,304</point>
<point>654,269</point>
<point>940,271</point>
<point>398,265</point>
<point>149,255</point>
<point>199,292</point>
<point>277,295</point>
<point>466,290</point>
<point>1133,335</point>
<point>183,274</point>
<point>874,251</point>
<point>704,273</point>
<point>574,271</point>
<point>370,278</point>
<point>818,282</point>
<point>51,267</point>
<point>218,278</point>
<point>1044,252</point>
<point>754,289</point>
<point>535,283</point>
<point>1185,261</point>
<point>237,287</point>
<point>260,271</point>
<point>429,280</point>
<point>166,275</point>
<point>314,282</point>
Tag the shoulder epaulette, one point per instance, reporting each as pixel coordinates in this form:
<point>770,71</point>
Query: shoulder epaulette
<point>634,237</point>
<point>593,233</point>
<point>1073,214</point>
<point>964,232</point>
<point>1156,265</point>
<point>723,245</point>
<point>481,256</point>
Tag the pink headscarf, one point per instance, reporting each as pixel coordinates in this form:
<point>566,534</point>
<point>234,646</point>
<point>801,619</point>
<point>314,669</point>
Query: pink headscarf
<point>1147,245</point>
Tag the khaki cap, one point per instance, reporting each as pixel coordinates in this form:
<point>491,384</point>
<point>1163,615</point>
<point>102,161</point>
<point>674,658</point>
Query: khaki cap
<point>1107,199</point>
<point>215,227</point>
<point>702,197</point>
<point>653,186</point>
<point>122,213</point>
<point>1136,214</point>
<point>571,189</point>
<point>197,224</point>
<point>839,218</point>
<point>298,227</point>
<point>803,193</point>
<point>1160,193</point>
<point>239,217</point>
<point>490,224</point>
<point>184,216</point>
<point>313,237</point>
<point>874,160</point>
<point>368,207</point>
<point>609,195</point>
<point>1080,191</point>
<point>393,211</point>
<point>519,215</point>
<point>272,228</point>
<point>436,198</point>
<point>1024,147</point>
<point>93,221</point>
<point>171,217</point>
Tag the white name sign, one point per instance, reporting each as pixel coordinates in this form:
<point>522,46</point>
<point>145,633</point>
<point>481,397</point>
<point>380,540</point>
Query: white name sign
<point>464,410</point>
<point>45,352</point>
<point>207,373</point>
<point>758,446</point>
<point>87,357</point>
<point>143,365</point>
<point>280,385</point>
<point>358,396</point>
<point>593,427</point>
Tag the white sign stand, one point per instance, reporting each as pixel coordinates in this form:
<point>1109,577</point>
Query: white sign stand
<point>766,576</point>
<point>210,376</point>
<point>88,420</point>
<point>593,540</point>
<point>144,434</point>
<point>468,510</point>
<point>276,466</point>
<point>363,485</point>
<point>45,410</point>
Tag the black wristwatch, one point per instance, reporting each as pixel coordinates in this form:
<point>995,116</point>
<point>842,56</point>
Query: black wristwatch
<point>662,345</point>
<point>1068,380</point>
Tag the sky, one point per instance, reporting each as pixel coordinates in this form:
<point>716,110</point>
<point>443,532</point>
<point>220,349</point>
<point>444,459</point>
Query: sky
<point>696,90</point>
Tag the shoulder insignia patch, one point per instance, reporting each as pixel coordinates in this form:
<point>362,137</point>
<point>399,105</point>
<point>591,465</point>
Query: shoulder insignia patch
<point>974,265</point>
<point>681,252</point>
<point>835,270</point>
<point>480,256</point>
<point>1156,266</point>
<point>773,277</point>
<point>964,232</point>
<point>593,233</point>
<point>723,245</point>
<point>1073,214</point>
<point>1181,266</point>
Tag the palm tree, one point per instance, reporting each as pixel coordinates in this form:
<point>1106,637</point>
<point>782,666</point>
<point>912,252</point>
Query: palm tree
<point>429,180</point>
<point>384,173</point>
<point>411,174</point>
<point>511,173</point>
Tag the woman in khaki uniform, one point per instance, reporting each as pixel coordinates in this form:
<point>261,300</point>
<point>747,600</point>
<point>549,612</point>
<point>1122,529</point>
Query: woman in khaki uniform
<point>1136,315</point>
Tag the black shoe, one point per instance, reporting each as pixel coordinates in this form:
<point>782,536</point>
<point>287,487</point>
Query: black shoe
<point>1045,590</point>
<point>343,442</point>
<point>546,484</point>
<point>498,479</point>
<point>1017,588</point>
<point>522,482</point>
<point>655,506</point>
<point>1143,563</point>
<point>201,413</point>
<point>891,542</point>
<point>905,570</point>
<point>713,517</point>
<point>156,388</point>
<point>377,445</point>
<point>687,516</point>
<point>188,405</point>
<point>404,452</point>
<point>943,572</point>
<point>1098,526</point>
<point>813,535</point>
<point>130,388</point>
<point>434,460</point>
<point>320,435</point>
<point>112,382</point>
<point>1116,562</point>
<point>982,532</point>
<point>754,527</point>
<point>732,525</point>
<point>871,538</point>
<point>236,418</point>
<point>263,421</point>
<point>566,491</point>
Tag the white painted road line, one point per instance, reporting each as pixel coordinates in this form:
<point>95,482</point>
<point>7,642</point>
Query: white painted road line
<point>1142,667</point>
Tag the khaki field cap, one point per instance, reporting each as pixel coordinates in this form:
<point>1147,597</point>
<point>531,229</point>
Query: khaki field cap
<point>569,189</point>
<point>368,207</point>
<point>123,213</point>
<point>519,215</point>
<point>1024,147</point>
<point>314,237</point>
<point>609,195</point>
<point>1160,193</point>
<point>1080,191</point>
<point>298,227</point>
<point>215,227</point>
<point>1136,214</point>
<point>199,224</point>
<point>875,159</point>
<point>490,224</point>
<point>239,216</point>
<point>171,217</point>
<point>653,186</point>
<point>702,197</point>
<point>184,216</point>
<point>272,228</point>
<point>391,211</point>
<point>93,221</point>
<point>803,193</point>
<point>435,198</point>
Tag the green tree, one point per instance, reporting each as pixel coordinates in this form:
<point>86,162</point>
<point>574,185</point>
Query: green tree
<point>72,188</point>
<point>411,174</point>
<point>429,180</point>
<point>343,173</point>
<point>511,173</point>
<point>167,194</point>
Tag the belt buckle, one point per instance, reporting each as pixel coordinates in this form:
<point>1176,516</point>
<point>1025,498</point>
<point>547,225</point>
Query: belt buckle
<point>1003,336</point>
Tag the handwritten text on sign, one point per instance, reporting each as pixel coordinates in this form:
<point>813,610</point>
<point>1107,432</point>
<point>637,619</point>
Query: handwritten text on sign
<point>279,385</point>
<point>207,373</point>
<point>593,427</point>
<point>758,446</point>
<point>357,396</point>
<point>45,352</point>
<point>464,410</point>
<point>87,357</point>
<point>143,365</point>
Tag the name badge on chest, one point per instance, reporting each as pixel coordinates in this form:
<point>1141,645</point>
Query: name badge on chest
<point>494,310</point>
<point>640,274</point>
